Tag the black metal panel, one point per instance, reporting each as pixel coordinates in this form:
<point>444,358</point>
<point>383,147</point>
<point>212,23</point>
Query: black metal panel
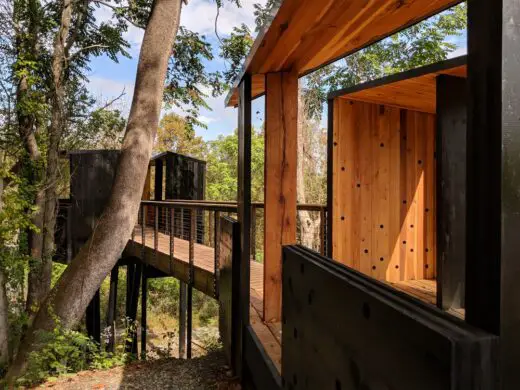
<point>92,175</point>
<point>451,191</point>
<point>259,365</point>
<point>244,199</point>
<point>229,289</point>
<point>185,180</point>
<point>185,176</point>
<point>493,216</point>
<point>484,164</point>
<point>344,330</point>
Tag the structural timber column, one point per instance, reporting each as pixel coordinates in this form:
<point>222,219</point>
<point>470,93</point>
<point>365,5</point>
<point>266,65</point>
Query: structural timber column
<point>281,153</point>
<point>493,179</point>
<point>244,209</point>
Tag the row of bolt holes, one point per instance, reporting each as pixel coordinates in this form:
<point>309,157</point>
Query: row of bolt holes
<point>404,243</point>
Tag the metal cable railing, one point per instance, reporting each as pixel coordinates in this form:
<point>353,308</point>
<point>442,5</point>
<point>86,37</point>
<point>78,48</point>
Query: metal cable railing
<point>189,230</point>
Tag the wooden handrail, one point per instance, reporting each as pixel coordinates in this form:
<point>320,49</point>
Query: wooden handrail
<point>222,205</point>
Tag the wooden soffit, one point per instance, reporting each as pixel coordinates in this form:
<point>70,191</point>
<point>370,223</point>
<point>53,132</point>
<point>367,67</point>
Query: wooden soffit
<point>415,89</point>
<point>308,34</point>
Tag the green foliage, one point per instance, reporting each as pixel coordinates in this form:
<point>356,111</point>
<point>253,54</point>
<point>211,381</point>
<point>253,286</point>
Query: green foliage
<point>175,135</point>
<point>222,167</point>
<point>64,351</point>
<point>15,212</point>
<point>234,49</point>
<point>102,129</point>
<point>265,14</point>
<point>188,80</point>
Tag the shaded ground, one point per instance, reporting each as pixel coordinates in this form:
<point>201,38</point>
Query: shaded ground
<point>206,372</point>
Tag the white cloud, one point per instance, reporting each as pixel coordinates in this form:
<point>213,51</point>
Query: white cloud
<point>460,51</point>
<point>199,16</point>
<point>206,119</point>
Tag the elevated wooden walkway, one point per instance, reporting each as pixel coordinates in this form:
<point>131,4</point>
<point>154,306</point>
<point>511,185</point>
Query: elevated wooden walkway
<point>178,266</point>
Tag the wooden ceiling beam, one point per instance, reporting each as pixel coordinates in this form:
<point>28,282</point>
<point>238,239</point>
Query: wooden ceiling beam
<point>308,34</point>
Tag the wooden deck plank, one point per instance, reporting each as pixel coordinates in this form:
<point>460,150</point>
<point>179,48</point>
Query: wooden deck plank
<point>426,291</point>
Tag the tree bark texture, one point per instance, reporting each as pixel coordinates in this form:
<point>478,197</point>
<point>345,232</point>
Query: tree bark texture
<point>80,281</point>
<point>38,280</point>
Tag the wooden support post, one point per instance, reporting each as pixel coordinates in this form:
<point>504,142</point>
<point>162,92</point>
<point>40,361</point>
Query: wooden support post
<point>244,208</point>
<point>132,290</point>
<point>493,182</point>
<point>189,324</point>
<point>144,300</point>
<point>330,167</point>
<point>112,308</point>
<point>253,232</point>
<point>216,236</point>
<point>94,318</point>
<point>192,238</point>
<point>281,139</point>
<point>182,319</point>
<point>130,270</point>
<point>451,191</point>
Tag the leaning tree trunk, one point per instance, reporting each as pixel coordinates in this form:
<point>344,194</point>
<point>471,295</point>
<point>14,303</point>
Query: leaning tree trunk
<point>77,285</point>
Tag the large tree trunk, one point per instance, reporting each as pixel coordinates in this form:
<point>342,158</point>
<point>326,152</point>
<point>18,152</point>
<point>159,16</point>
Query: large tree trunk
<point>78,284</point>
<point>26,46</point>
<point>40,282</point>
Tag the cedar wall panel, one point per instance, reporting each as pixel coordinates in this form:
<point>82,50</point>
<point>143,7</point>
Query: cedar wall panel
<point>384,190</point>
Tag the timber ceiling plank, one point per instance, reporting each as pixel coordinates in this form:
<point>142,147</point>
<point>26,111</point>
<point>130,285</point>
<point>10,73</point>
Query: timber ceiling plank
<point>308,34</point>
<point>416,93</point>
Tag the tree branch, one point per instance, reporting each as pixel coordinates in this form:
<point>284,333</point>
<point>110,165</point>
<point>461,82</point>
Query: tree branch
<point>85,49</point>
<point>110,102</point>
<point>115,8</point>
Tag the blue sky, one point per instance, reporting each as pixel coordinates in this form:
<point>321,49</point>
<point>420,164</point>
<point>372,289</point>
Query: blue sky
<point>109,79</point>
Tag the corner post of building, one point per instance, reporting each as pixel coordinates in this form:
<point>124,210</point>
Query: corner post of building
<point>244,204</point>
<point>330,168</point>
<point>493,183</point>
<point>280,196</point>
<point>451,190</point>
